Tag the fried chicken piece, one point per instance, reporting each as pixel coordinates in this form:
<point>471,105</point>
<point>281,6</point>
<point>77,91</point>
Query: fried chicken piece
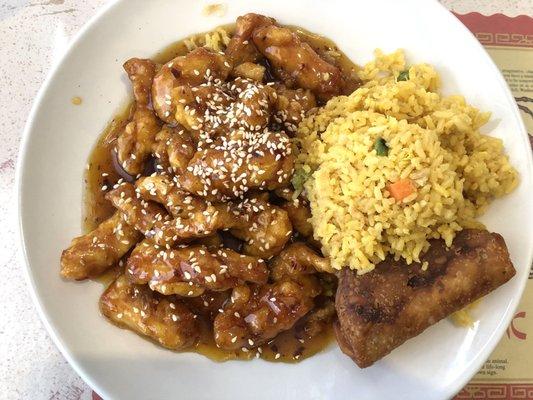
<point>201,109</point>
<point>145,216</point>
<point>299,214</point>
<point>161,189</point>
<point>164,319</point>
<point>208,304</point>
<point>173,148</point>
<point>380,310</point>
<point>241,48</point>
<point>198,223</point>
<point>216,108</point>
<point>243,161</point>
<point>192,69</point>
<point>256,313</point>
<point>264,228</point>
<point>319,319</point>
<point>297,259</point>
<point>213,242</point>
<point>249,70</point>
<point>253,105</point>
<point>134,144</point>
<point>285,193</point>
<point>296,63</point>
<point>93,253</point>
<point>291,106</point>
<point>185,269</point>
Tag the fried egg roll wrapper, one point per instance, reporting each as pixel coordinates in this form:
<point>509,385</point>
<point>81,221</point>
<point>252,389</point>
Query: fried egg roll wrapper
<point>380,310</point>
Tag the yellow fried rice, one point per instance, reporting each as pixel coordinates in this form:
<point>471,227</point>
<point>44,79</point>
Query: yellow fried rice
<point>431,140</point>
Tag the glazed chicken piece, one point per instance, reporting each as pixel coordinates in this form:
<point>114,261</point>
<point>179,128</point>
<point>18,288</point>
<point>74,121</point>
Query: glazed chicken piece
<point>134,144</point>
<point>241,48</point>
<point>297,259</point>
<point>257,314</point>
<point>249,70</point>
<point>186,269</point>
<point>209,304</point>
<point>173,149</point>
<point>380,310</point>
<point>201,109</point>
<point>214,108</point>
<point>145,216</point>
<point>212,242</point>
<point>95,252</point>
<point>196,224</point>
<point>319,319</point>
<point>164,319</point>
<point>253,106</point>
<point>161,189</point>
<point>299,214</point>
<point>296,63</point>
<point>236,164</point>
<point>291,106</point>
<point>264,228</point>
<point>193,69</point>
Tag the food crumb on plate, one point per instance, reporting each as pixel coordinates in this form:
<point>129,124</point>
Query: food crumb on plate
<point>216,9</point>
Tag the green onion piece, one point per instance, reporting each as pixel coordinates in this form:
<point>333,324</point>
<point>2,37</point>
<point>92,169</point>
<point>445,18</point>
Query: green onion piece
<point>299,178</point>
<point>403,76</point>
<point>381,147</point>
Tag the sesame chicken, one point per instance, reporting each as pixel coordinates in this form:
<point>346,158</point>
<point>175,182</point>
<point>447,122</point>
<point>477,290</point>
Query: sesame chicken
<point>164,319</point>
<point>186,71</point>
<point>209,303</point>
<point>93,253</point>
<point>204,235</point>
<point>296,63</point>
<point>256,313</point>
<point>173,148</point>
<point>265,228</point>
<point>241,48</point>
<point>297,259</point>
<point>161,189</point>
<point>299,214</point>
<point>233,165</point>
<point>249,70</point>
<point>291,106</point>
<point>134,144</point>
<point>192,267</point>
<point>143,215</point>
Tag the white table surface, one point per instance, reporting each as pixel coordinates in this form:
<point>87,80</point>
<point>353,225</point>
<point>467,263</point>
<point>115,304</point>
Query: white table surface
<point>33,34</point>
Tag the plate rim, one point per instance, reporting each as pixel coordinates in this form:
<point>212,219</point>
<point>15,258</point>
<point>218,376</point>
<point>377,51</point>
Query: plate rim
<point>487,347</point>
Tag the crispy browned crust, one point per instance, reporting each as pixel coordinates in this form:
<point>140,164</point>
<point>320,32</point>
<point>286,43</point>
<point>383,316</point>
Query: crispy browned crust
<point>380,310</point>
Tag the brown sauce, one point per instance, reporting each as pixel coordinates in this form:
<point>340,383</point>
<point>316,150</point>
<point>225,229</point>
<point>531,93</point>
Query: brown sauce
<point>290,346</point>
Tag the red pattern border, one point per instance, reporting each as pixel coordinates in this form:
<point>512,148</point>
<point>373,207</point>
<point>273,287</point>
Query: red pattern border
<point>499,29</point>
<point>496,391</point>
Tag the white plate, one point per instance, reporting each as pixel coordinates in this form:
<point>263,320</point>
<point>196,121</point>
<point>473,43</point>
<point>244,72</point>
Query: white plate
<point>59,136</point>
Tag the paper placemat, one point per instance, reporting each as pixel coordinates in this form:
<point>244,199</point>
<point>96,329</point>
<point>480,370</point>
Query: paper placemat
<point>507,374</point>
